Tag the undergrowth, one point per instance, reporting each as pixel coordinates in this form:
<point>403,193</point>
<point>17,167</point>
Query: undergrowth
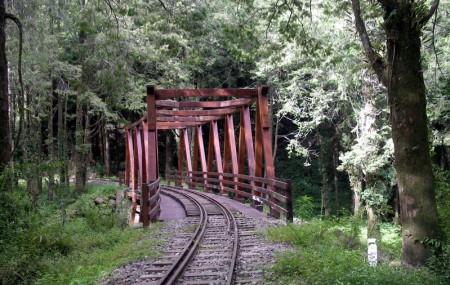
<point>60,243</point>
<point>334,252</point>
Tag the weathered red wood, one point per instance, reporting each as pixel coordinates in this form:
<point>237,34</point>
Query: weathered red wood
<point>177,125</point>
<point>133,173</point>
<point>258,151</point>
<point>231,143</point>
<point>201,150</point>
<point>187,151</point>
<point>146,150</point>
<point>204,104</point>
<point>217,153</point>
<point>246,144</point>
<point>210,151</point>
<point>127,159</point>
<point>181,119</point>
<point>143,152</point>
<point>137,123</point>
<point>152,147</point>
<point>226,149</point>
<point>140,155</point>
<point>136,162</point>
<point>266,140</point>
<point>174,93</point>
<point>220,112</point>
<point>195,152</point>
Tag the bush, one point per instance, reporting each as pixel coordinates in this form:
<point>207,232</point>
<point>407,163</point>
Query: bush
<point>334,252</point>
<point>47,246</point>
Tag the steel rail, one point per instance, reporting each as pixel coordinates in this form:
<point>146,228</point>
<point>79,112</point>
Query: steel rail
<point>179,265</point>
<point>232,227</point>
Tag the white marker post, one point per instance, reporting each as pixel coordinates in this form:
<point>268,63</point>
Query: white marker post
<point>372,252</point>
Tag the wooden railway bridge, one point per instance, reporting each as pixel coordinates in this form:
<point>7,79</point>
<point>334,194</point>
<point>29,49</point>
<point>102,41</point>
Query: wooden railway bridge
<point>243,170</point>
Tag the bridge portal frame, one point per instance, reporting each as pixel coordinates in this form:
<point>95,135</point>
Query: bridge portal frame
<point>168,109</point>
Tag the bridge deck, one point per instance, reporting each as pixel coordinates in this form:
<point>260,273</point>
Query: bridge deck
<point>171,209</point>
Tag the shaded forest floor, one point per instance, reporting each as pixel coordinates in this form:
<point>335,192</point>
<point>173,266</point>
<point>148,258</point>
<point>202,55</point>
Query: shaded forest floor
<point>74,241</point>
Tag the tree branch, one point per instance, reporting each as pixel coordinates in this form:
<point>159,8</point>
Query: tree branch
<point>19,69</point>
<point>164,6</point>
<point>430,13</point>
<point>376,61</point>
<point>113,12</point>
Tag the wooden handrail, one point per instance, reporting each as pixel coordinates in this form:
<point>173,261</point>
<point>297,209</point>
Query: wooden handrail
<point>278,197</point>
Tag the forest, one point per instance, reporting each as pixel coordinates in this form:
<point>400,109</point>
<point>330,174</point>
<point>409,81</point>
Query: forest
<point>359,102</point>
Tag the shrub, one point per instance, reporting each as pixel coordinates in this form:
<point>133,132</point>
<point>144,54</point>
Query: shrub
<point>334,252</point>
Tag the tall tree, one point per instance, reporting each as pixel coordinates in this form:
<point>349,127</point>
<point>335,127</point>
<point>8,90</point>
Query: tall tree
<point>5,132</point>
<point>400,71</point>
<point>5,126</point>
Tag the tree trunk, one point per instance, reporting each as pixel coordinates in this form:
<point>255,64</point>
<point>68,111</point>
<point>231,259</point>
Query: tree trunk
<point>325,192</point>
<point>402,74</point>
<point>62,158</point>
<point>335,178</point>
<point>50,141</point>
<point>406,94</point>
<point>373,227</point>
<point>79,160</point>
<point>5,132</point>
<point>80,148</point>
<point>106,156</point>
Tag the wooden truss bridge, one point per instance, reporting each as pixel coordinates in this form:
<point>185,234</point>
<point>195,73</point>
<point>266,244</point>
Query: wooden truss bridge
<point>240,167</point>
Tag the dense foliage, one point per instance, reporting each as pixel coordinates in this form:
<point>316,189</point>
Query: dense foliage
<point>85,67</point>
<point>69,240</point>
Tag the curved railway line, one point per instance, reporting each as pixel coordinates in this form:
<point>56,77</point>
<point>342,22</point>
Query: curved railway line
<point>207,255</point>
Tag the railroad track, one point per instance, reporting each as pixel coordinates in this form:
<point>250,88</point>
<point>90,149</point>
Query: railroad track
<point>207,254</point>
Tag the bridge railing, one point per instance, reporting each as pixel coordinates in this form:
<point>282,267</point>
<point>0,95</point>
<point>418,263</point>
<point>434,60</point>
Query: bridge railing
<point>148,211</point>
<point>275,194</point>
<point>140,173</point>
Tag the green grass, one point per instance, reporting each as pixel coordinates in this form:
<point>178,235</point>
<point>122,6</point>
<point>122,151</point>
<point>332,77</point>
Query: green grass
<point>60,243</point>
<point>333,252</point>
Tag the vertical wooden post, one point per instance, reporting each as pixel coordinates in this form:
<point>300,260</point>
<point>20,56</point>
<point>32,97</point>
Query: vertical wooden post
<point>230,149</point>
<point>181,155</point>
<point>199,149</point>
<point>131,174</point>
<point>127,159</point>
<point>214,147</point>
<point>246,146</point>
<point>135,165</point>
<point>265,140</point>
<point>187,152</point>
<point>152,155</point>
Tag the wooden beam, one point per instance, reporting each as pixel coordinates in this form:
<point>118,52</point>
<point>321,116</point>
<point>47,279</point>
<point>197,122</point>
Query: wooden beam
<point>146,150</point>
<point>217,154</point>
<point>177,93</point>
<point>136,162</point>
<point>266,140</point>
<point>205,104</point>
<point>258,152</point>
<point>140,155</point>
<point>249,141</point>
<point>230,142</point>
<point>133,172</point>
<point>187,152</point>
<point>127,159</point>
<point>177,125</point>
<point>219,112</point>
<point>201,151</point>
<point>210,151</point>
<point>137,123</point>
<point>226,149</point>
<point>152,154</point>
<point>182,119</point>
